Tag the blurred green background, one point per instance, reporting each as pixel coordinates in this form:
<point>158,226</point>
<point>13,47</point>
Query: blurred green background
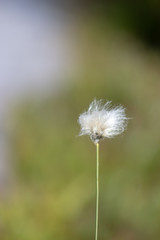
<point>53,193</point>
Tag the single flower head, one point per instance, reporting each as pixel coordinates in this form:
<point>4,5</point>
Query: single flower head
<point>102,121</point>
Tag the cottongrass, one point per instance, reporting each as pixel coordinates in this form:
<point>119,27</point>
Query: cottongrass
<point>102,121</point>
<point>99,122</point>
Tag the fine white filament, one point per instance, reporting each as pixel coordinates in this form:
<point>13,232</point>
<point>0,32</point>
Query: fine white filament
<point>102,121</point>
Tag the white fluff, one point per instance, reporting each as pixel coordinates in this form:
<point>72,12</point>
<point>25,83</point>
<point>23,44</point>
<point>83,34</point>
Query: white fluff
<point>102,121</point>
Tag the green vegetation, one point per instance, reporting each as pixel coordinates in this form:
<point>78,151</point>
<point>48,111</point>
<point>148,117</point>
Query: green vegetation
<point>54,194</point>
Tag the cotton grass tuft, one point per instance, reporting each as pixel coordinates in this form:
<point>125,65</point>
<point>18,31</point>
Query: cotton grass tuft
<point>102,121</point>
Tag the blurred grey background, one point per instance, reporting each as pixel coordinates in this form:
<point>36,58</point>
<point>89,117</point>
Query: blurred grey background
<point>55,58</point>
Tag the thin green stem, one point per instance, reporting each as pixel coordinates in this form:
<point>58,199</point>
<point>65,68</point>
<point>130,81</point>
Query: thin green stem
<point>97,189</point>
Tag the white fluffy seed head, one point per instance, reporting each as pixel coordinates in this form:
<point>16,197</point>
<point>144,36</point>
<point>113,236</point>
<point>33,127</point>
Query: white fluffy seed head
<point>102,121</point>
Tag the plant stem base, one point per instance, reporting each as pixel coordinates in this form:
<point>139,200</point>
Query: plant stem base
<point>97,189</point>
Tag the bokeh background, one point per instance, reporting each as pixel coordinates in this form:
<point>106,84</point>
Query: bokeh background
<point>55,58</point>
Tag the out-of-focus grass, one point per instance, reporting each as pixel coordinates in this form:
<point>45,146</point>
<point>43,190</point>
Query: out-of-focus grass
<point>54,194</point>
